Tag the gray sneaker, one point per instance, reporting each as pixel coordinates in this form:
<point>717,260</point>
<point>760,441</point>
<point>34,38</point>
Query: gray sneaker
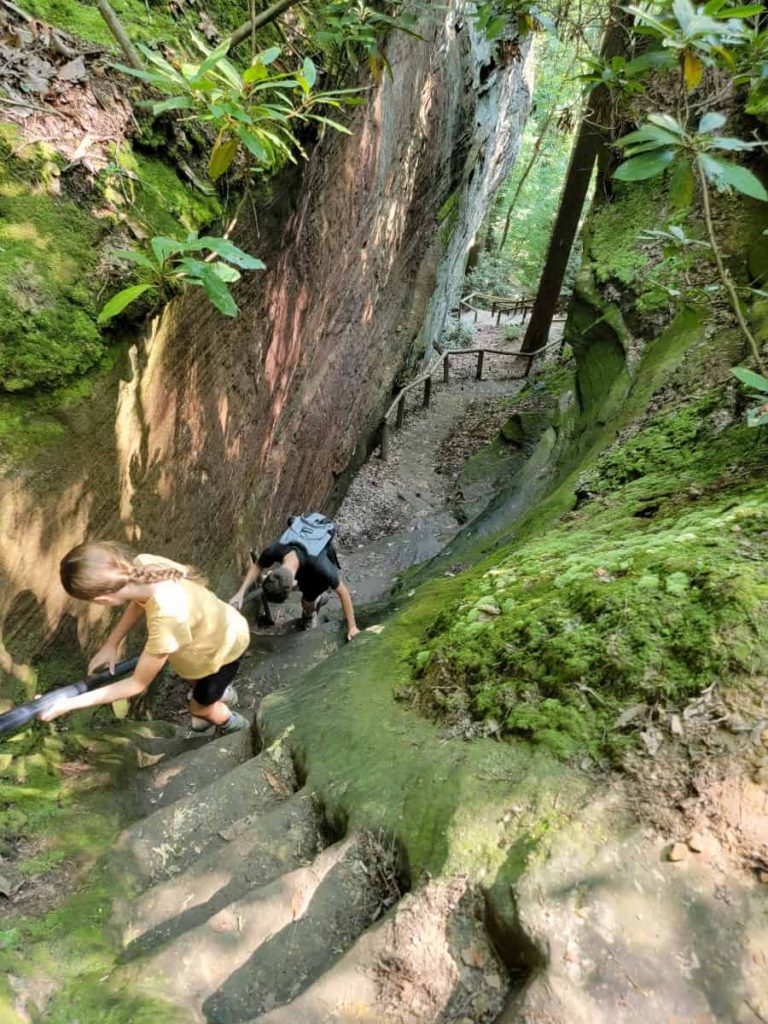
<point>235,724</point>
<point>308,621</point>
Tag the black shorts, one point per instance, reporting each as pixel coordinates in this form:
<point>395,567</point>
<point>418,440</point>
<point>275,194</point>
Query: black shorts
<point>321,575</point>
<point>210,688</point>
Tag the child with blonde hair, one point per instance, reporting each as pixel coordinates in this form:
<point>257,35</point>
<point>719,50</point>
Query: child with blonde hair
<point>202,637</point>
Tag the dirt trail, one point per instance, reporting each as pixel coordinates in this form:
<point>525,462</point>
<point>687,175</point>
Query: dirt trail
<point>401,512</point>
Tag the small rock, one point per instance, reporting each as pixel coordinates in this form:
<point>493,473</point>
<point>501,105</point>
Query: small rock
<point>474,957</point>
<point>761,777</point>
<point>696,842</point>
<point>652,740</point>
<point>762,876</point>
<point>677,852</point>
<point>675,725</point>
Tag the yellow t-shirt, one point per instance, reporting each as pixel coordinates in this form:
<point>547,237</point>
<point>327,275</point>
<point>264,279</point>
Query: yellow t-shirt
<point>186,621</point>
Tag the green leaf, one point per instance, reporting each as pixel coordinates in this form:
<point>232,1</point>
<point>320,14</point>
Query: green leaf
<point>711,121</point>
<point>722,172</point>
<point>309,72</point>
<point>162,246</point>
<point>753,380</point>
<point>747,11</point>
<point>649,165</point>
<point>145,76</point>
<point>666,121</point>
<point>123,298</point>
<point>268,56</point>
<point>222,155</point>
<point>225,272</point>
<point>173,103</point>
<point>648,61</point>
<point>755,418</point>
<point>725,142</point>
<point>711,8</point>
<point>228,251</point>
<point>217,291</point>
<point>133,256</point>
<point>650,133</point>
<point>252,144</point>
<point>159,61</point>
<point>331,124</point>
<point>681,184</point>
<point>213,58</point>
<point>255,73</point>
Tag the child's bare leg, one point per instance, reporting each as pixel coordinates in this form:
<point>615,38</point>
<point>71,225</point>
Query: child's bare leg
<point>217,713</point>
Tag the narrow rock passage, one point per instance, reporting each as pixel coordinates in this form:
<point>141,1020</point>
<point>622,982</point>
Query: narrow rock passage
<point>246,904</point>
<point>396,513</point>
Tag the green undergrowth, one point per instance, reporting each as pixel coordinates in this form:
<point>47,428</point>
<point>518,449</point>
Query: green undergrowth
<point>61,807</point>
<point>652,273</point>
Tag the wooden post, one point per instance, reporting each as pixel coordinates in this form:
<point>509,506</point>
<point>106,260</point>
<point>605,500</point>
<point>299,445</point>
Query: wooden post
<point>384,451</point>
<point>446,369</point>
<point>427,392</point>
<point>400,412</point>
<point>480,360</point>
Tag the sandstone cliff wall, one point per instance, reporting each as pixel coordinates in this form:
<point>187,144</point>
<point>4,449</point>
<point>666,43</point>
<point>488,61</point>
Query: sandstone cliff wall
<point>211,431</point>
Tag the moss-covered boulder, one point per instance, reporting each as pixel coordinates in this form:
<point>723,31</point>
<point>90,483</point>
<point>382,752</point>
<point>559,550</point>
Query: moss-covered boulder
<point>56,233</point>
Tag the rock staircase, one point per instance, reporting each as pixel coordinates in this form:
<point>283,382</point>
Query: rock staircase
<point>239,905</point>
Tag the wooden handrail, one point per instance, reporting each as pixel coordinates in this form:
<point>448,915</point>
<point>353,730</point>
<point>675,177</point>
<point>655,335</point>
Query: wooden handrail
<point>530,356</point>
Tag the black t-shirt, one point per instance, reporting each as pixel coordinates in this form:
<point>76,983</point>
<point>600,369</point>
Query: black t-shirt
<point>316,572</point>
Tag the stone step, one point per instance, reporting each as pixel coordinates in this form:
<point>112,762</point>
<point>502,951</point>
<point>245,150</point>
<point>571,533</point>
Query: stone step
<point>428,961</point>
<point>165,842</point>
<point>262,949</point>
<point>140,744</point>
<point>191,770</point>
<point>254,853</point>
<point>267,956</point>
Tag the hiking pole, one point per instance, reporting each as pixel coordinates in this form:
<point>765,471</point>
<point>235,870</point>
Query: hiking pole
<point>18,717</point>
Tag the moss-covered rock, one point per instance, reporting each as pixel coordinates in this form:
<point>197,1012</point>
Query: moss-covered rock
<point>48,256</point>
<point>52,248</point>
<point>149,22</point>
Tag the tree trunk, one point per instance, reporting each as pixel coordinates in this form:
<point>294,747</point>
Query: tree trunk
<point>593,134</point>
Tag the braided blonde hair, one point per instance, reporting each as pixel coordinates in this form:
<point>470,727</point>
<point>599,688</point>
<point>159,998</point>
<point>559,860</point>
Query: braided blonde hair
<point>104,567</point>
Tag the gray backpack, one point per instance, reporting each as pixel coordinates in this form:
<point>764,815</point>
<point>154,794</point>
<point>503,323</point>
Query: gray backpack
<point>312,531</point>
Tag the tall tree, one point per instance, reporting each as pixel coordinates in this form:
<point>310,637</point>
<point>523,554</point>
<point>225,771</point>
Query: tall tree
<point>592,136</point>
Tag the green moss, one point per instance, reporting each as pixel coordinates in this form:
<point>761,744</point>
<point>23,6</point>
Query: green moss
<point>47,257</point>
<point>147,22</point>
<point>643,596</point>
<point>375,764</point>
<point>73,823</point>
<point>161,199</point>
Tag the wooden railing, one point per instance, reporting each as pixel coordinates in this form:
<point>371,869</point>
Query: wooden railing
<point>444,360</point>
<point>504,305</point>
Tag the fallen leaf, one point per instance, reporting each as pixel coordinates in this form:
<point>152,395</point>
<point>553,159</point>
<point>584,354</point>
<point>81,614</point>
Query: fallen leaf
<point>276,783</point>
<point>72,71</point>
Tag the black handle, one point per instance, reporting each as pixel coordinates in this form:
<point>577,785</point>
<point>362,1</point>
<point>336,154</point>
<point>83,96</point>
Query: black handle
<point>18,717</point>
